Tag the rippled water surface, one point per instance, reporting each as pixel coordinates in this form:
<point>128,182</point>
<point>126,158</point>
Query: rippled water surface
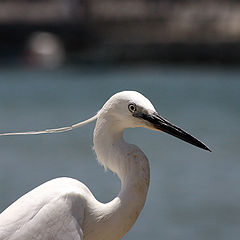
<point>193,194</point>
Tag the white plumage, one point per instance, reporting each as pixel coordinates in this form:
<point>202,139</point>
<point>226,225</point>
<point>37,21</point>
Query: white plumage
<point>65,209</point>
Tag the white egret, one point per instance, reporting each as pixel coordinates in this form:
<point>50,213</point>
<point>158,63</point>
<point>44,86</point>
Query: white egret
<point>65,209</point>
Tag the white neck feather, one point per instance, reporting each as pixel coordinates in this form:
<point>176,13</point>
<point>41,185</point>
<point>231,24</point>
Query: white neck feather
<point>114,219</point>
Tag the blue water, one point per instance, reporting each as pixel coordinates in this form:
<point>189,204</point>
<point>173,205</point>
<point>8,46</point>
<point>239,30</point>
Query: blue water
<point>193,194</point>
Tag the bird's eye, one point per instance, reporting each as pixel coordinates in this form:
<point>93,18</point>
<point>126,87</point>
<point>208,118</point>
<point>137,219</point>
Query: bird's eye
<point>132,107</point>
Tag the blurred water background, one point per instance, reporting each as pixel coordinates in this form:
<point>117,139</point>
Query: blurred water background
<point>193,194</point>
<point>60,60</point>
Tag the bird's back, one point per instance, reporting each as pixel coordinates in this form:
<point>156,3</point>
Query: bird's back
<point>54,210</point>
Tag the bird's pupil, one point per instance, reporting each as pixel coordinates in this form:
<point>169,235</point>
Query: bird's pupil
<point>131,107</point>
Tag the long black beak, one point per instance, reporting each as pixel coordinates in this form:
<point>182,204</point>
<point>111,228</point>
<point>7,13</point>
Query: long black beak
<point>162,124</point>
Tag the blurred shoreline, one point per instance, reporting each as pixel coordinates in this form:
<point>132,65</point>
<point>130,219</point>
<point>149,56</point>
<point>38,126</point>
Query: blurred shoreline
<point>125,31</point>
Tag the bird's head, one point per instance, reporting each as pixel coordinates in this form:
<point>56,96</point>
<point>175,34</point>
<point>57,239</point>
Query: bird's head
<point>130,109</point>
<point>127,109</point>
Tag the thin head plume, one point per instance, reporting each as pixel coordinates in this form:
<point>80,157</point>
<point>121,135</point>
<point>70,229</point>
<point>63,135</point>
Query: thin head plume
<point>53,130</point>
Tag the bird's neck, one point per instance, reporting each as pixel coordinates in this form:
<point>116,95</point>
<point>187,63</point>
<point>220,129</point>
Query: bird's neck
<point>131,165</point>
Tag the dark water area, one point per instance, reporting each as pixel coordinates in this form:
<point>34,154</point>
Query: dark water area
<point>193,194</point>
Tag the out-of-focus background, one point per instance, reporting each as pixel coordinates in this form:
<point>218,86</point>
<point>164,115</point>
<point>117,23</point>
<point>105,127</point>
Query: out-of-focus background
<point>60,60</point>
<point>52,32</point>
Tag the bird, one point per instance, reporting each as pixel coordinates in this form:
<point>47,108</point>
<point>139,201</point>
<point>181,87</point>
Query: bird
<point>65,209</point>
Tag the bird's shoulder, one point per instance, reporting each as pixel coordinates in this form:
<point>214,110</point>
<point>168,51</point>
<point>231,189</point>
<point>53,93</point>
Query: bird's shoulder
<point>56,206</point>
